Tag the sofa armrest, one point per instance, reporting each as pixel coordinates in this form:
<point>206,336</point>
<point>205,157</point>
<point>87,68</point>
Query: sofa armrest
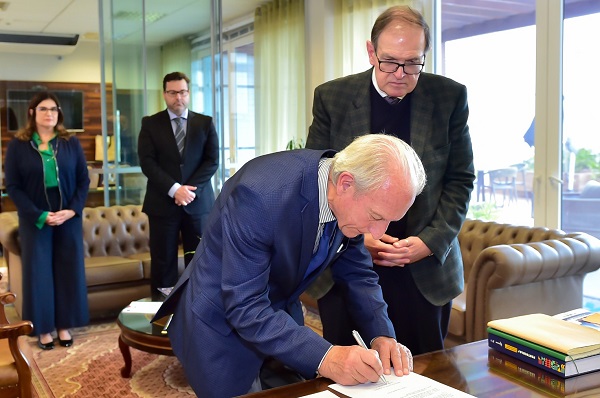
<point>516,279</point>
<point>9,232</point>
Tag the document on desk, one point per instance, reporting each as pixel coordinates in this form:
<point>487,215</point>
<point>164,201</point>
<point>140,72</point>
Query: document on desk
<point>322,394</point>
<point>413,385</point>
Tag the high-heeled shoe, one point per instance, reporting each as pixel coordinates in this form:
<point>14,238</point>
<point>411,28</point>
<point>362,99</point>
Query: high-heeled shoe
<point>67,342</point>
<point>45,346</point>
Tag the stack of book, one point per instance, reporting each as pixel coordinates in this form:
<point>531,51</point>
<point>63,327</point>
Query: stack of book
<point>532,377</point>
<point>560,347</point>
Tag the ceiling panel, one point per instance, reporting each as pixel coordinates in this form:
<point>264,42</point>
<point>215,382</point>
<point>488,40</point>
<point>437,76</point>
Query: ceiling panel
<point>460,18</point>
<point>31,16</point>
<point>180,17</point>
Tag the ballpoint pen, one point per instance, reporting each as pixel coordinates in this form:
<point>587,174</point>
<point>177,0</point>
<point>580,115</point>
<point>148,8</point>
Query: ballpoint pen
<point>164,330</point>
<point>361,343</point>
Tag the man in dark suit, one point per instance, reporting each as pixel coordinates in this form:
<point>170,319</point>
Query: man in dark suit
<point>277,224</point>
<point>418,260</point>
<point>179,193</point>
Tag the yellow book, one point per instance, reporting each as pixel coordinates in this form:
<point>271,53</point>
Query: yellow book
<point>569,338</point>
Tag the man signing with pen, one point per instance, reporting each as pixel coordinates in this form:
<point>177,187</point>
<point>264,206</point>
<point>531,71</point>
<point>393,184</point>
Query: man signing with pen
<point>278,223</point>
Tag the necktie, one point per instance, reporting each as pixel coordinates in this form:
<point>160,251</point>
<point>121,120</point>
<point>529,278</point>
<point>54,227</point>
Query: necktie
<point>319,256</point>
<point>392,100</point>
<point>179,135</point>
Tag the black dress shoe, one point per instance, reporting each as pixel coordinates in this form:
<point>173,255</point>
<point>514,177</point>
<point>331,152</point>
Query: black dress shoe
<point>46,346</point>
<point>66,343</point>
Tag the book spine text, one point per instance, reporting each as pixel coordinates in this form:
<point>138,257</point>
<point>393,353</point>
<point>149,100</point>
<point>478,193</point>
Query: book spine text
<point>527,354</point>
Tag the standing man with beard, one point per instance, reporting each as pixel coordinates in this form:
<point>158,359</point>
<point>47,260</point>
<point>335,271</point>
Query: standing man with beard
<point>179,153</point>
<point>418,259</point>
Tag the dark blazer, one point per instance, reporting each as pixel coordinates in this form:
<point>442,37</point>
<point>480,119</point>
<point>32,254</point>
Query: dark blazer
<point>163,165</point>
<point>25,177</point>
<point>238,300</point>
<point>440,136</point>
<point>54,290</point>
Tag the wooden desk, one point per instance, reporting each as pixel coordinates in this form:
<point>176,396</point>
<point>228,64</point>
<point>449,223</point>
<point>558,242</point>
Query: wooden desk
<point>475,369</point>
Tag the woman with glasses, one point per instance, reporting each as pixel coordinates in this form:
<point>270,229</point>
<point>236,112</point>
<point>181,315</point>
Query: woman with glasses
<point>47,178</point>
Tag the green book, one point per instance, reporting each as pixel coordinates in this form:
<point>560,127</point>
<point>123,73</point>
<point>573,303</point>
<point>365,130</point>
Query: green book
<point>534,346</point>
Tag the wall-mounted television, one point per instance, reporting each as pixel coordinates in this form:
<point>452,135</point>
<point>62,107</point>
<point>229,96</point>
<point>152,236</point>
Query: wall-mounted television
<point>71,104</point>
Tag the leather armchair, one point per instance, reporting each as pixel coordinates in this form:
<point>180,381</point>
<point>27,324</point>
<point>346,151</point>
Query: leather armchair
<point>514,270</point>
<point>15,373</point>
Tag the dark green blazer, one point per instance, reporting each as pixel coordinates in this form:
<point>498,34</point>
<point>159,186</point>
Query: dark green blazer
<point>440,136</point>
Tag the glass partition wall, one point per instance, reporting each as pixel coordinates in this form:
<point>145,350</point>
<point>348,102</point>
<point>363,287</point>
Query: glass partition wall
<point>141,41</point>
<point>530,117</point>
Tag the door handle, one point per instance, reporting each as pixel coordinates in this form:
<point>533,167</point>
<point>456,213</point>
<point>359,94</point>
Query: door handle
<point>556,180</point>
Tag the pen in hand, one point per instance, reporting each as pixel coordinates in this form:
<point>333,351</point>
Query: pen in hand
<point>164,330</point>
<point>361,343</point>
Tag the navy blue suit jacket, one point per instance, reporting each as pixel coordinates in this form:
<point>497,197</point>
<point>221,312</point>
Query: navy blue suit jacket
<point>238,301</point>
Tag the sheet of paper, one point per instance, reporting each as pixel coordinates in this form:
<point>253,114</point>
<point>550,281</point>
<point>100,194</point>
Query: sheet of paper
<point>322,394</point>
<point>593,318</point>
<point>412,385</point>
<point>143,307</point>
<point>581,316</point>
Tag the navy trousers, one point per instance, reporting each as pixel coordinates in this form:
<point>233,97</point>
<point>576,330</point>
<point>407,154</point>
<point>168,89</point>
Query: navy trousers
<point>54,288</point>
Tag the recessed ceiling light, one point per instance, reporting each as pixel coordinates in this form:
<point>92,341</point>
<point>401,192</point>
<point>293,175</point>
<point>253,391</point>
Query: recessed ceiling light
<point>137,16</point>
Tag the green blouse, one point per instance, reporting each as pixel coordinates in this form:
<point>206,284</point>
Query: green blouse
<point>50,171</point>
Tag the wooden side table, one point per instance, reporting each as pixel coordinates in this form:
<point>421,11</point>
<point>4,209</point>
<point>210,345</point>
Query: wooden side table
<point>138,332</point>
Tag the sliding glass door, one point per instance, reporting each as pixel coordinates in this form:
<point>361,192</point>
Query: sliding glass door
<point>533,115</point>
<point>580,193</point>
<point>493,54</point>
<point>581,125</point>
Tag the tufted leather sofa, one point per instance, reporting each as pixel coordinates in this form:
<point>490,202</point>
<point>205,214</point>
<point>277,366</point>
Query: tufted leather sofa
<point>515,270</point>
<point>117,257</point>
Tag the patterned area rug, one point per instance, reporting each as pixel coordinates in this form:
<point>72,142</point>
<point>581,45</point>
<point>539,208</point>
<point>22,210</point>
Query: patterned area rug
<point>91,368</point>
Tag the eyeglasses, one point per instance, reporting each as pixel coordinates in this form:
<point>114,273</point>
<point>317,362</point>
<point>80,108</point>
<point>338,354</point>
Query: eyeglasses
<point>43,109</point>
<point>174,93</point>
<point>409,68</point>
